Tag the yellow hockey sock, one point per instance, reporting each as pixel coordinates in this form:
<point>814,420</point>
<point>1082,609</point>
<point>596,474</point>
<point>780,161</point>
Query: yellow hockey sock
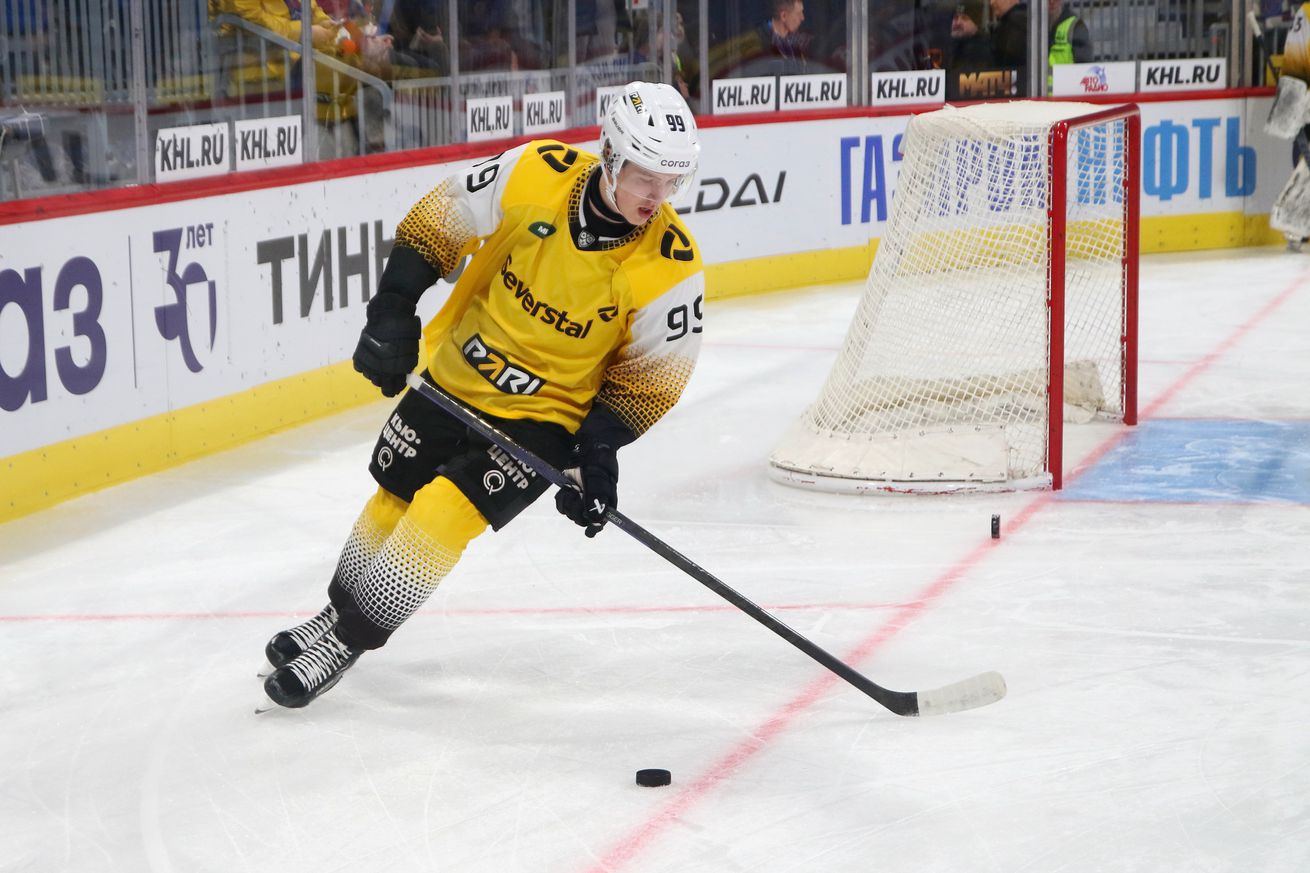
<point>375,523</point>
<point>424,545</point>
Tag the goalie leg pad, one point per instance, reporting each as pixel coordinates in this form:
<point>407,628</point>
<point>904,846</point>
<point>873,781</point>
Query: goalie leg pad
<point>423,547</point>
<point>1291,211</point>
<point>1291,109</point>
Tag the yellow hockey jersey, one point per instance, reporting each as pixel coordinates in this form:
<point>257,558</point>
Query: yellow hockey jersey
<point>541,324</point>
<point>1296,51</point>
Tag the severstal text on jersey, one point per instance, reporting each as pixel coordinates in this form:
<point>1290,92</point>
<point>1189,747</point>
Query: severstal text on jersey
<point>540,309</point>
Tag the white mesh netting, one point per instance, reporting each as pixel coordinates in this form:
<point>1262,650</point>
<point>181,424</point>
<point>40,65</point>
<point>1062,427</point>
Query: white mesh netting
<point>941,383</point>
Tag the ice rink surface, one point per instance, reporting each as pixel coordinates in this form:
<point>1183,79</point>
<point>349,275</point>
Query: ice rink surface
<point>1152,622</point>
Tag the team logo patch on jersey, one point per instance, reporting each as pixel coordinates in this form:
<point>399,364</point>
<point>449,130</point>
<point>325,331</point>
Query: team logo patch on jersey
<point>541,229</point>
<point>496,368</point>
<point>586,239</point>
<point>561,163</point>
<point>675,237</point>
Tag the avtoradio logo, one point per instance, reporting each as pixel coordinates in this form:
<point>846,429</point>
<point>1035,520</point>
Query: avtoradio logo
<point>1096,81</point>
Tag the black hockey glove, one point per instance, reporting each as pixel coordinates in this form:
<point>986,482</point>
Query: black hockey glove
<point>594,468</point>
<point>595,471</point>
<point>388,346</point>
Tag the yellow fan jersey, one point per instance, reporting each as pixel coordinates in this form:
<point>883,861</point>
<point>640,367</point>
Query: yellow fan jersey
<point>546,318</point>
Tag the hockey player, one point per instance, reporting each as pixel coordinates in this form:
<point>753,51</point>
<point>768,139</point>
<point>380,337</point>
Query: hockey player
<point>573,328</point>
<point>1287,120</point>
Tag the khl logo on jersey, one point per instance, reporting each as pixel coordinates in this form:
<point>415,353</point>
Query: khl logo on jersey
<point>496,368</point>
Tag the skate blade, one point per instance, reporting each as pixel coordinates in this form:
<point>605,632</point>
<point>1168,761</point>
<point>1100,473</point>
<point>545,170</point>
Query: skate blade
<point>266,704</point>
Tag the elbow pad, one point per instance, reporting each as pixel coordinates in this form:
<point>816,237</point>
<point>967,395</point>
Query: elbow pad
<point>407,275</point>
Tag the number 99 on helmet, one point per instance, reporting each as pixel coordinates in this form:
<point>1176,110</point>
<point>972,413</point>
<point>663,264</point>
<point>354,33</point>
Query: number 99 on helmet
<point>650,125</point>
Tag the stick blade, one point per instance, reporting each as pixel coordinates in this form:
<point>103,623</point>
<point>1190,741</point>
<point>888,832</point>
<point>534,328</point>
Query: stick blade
<point>969,693</point>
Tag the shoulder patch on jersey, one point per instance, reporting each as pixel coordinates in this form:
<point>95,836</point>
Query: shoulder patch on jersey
<point>558,163</point>
<point>676,245</point>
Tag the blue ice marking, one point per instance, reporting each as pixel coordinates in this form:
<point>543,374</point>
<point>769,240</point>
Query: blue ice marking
<point>1203,460</point>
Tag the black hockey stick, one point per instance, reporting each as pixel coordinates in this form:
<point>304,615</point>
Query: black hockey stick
<point>977,691</point>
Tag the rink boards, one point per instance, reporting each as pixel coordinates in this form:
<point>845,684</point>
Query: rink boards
<point>143,327</point>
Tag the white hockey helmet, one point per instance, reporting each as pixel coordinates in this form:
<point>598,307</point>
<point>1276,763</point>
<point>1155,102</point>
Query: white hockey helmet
<point>651,125</point>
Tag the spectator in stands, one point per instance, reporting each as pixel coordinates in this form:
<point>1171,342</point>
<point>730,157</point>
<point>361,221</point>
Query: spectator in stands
<point>603,28</point>
<point>781,36</point>
<point>391,39</point>
<point>364,44</point>
<point>394,39</point>
<point>338,128</point>
<point>361,42</point>
<point>641,48</point>
<point>284,17</point>
<point>493,36</point>
<point>930,36</point>
<point>1010,34</point>
<point>419,45</point>
<point>776,47</point>
<point>970,48</point>
<point>685,44</point>
<point>1070,41</point>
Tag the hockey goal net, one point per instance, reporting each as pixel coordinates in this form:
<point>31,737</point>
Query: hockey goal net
<point>1001,301</point>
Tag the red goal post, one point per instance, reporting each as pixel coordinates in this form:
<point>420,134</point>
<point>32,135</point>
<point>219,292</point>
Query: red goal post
<point>1002,299</point>
<point>1130,117</point>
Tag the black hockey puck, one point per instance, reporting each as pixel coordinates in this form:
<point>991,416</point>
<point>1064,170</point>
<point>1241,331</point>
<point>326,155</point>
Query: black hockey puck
<point>653,778</point>
<point>996,527</point>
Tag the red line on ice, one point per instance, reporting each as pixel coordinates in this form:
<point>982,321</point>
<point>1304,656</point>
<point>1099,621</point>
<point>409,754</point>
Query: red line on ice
<point>470,611</point>
<point>644,833</point>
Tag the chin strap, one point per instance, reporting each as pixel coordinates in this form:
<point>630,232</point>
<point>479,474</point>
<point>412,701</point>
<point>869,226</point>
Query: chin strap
<point>609,185</point>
